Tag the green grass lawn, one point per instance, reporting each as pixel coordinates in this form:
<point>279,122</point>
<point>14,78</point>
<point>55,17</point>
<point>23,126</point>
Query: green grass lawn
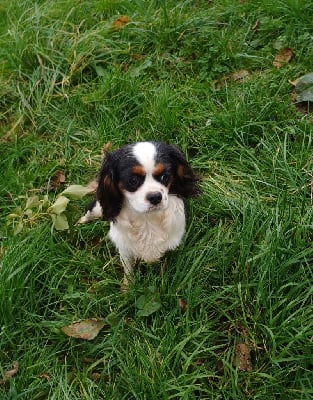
<point>234,315</point>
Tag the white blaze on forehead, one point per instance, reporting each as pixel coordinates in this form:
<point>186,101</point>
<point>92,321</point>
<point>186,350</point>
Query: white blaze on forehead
<point>145,153</point>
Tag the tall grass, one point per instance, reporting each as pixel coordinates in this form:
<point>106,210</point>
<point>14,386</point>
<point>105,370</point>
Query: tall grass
<point>200,75</point>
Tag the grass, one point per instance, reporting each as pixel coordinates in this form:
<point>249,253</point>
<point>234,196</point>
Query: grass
<point>72,81</point>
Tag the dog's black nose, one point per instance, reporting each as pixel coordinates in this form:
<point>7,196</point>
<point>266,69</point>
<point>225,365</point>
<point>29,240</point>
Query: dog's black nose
<point>154,197</point>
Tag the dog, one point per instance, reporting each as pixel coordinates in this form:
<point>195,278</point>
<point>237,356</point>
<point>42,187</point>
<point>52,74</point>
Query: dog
<point>142,188</point>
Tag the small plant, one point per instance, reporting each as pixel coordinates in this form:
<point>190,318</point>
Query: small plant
<point>149,302</point>
<point>37,208</point>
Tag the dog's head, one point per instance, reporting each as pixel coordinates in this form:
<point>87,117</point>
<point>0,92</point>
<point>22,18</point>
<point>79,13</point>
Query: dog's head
<point>141,176</point>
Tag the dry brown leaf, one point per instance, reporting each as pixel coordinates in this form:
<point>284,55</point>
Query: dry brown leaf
<point>11,372</point>
<point>120,22</point>
<point>183,305</point>
<point>136,57</point>
<point>240,75</point>
<point>237,76</point>
<point>57,179</point>
<point>86,329</point>
<point>95,376</point>
<point>44,375</point>
<point>242,357</point>
<point>283,57</point>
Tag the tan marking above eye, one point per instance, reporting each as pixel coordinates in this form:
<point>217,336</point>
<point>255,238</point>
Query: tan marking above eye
<point>138,170</point>
<point>158,169</point>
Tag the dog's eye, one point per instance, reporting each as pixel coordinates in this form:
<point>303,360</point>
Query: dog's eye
<point>164,178</point>
<point>133,180</point>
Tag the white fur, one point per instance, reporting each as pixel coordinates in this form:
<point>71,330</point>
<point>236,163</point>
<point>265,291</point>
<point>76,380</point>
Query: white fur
<point>145,153</point>
<point>91,215</point>
<point>147,236</point>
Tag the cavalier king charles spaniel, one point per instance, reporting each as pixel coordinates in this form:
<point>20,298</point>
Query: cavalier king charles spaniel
<point>141,191</point>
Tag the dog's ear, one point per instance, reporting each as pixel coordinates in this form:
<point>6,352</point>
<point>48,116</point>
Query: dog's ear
<point>108,192</point>
<point>186,182</point>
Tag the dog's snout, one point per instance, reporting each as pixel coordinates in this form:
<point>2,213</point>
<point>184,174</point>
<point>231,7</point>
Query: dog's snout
<point>154,198</point>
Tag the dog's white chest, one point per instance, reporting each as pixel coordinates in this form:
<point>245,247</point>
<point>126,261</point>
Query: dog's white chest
<point>148,236</point>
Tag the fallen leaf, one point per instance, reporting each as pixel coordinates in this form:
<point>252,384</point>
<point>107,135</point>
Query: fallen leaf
<point>120,22</point>
<point>136,57</point>
<point>283,57</point>
<point>304,88</point>
<point>240,75</point>
<point>57,179</point>
<point>236,76</point>
<point>306,95</point>
<point>44,375</point>
<point>11,372</point>
<point>303,83</point>
<point>303,95</point>
<point>95,376</point>
<point>86,329</point>
<point>242,358</point>
<point>183,305</point>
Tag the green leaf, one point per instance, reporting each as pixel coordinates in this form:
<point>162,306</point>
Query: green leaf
<point>149,308</point>
<point>60,222</point>
<point>148,303</point>
<point>76,192</point>
<point>304,88</point>
<point>60,205</point>
<point>306,95</point>
<point>304,82</point>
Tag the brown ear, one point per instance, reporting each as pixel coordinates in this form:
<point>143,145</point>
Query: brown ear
<point>108,192</point>
<point>186,182</point>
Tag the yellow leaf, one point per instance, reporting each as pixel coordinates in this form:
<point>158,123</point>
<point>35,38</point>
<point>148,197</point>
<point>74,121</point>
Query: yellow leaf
<point>60,222</point>
<point>86,329</point>
<point>76,192</point>
<point>60,205</point>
